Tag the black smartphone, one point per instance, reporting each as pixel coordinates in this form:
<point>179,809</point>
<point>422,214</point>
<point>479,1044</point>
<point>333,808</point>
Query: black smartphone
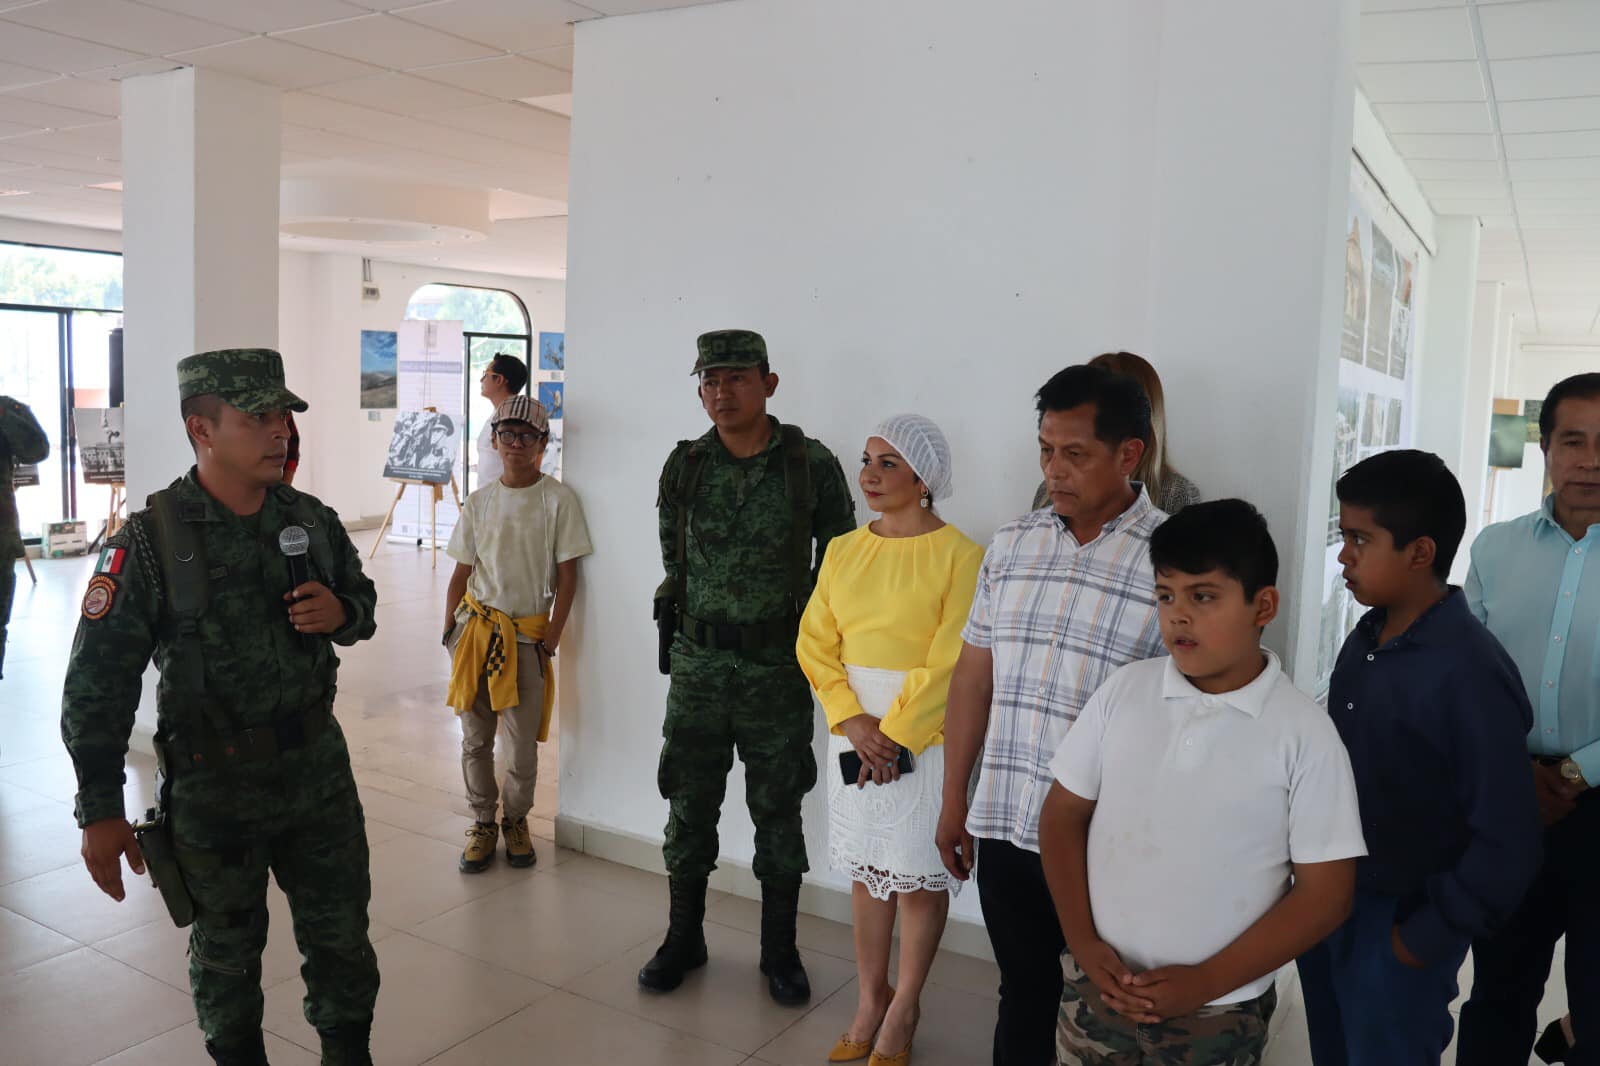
<point>850,765</point>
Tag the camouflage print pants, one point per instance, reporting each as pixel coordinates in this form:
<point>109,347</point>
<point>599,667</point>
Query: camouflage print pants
<point>316,849</point>
<point>1088,1033</point>
<point>8,589</point>
<point>719,702</point>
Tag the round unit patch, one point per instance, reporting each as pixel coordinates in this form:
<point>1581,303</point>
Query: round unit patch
<point>98,597</point>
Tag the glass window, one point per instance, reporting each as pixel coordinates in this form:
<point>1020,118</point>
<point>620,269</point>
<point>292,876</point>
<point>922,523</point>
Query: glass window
<point>478,310</point>
<point>60,277</point>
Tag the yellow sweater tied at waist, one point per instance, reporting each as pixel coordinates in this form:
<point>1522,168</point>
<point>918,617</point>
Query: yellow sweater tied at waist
<point>482,651</point>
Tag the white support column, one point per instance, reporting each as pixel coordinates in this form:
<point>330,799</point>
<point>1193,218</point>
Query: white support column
<point>1445,366</point>
<point>200,163</point>
<point>1487,331</point>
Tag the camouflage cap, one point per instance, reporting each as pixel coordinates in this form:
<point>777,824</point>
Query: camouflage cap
<point>522,409</point>
<point>250,379</point>
<point>730,347</point>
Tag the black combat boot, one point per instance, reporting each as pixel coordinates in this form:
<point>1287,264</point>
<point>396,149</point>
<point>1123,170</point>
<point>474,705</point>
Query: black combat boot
<point>244,1053</point>
<point>684,949</point>
<point>780,960</point>
<point>346,1045</point>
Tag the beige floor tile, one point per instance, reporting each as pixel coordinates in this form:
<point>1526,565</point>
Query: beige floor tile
<point>161,950</point>
<point>49,775</point>
<point>128,1008</point>
<point>725,1002</point>
<point>550,928</point>
<point>432,999</point>
<point>14,799</point>
<point>562,1028</point>
<point>415,878</point>
<point>38,841</point>
<point>378,832</point>
<point>957,1029</point>
<point>185,1046</point>
<point>24,942</point>
<point>68,901</point>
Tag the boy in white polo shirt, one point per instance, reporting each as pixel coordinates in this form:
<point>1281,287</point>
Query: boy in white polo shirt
<point>1203,828</point>
<point>516,547</point>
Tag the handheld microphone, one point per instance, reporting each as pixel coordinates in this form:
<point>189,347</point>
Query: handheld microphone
<point>294,542</point>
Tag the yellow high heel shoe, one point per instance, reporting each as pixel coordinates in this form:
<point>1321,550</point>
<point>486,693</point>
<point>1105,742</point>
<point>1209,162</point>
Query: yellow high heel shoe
<point>847,1050</point>
<point>900,1058</point>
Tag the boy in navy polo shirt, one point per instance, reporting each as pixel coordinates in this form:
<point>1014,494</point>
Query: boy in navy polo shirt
<point>1435,717</point>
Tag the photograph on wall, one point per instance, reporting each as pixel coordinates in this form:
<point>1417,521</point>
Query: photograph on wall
<point>1400,332</point>
<point>552,351</point>
<point>100,444</point>
<point>380,371</point>
<point>1380,306</point>
<point>552,452</point>
<point>432,364</point>
<point>1352,338</point>
<point>1508,437</point>
<point>552,395</point>
<point>1530,411</point>
<point>1385,279</point>
<point>423,448</point>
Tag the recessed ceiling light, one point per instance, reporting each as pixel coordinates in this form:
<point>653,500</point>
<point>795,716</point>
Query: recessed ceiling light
<point>108,186</point>
<point>15,192</point>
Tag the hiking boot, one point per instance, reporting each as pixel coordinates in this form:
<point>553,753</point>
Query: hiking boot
<point>479,853</point>
<point>787,982</point>
<point>519,843</point>
<point>684,949</point>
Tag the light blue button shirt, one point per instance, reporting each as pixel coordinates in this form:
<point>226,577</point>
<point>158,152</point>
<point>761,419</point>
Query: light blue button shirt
<point>1535,589</point>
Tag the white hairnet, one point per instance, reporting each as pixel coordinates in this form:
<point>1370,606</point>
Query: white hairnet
<point>923,446</point>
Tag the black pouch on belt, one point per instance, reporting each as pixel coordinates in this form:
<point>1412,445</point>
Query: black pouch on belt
<point>154,835</point>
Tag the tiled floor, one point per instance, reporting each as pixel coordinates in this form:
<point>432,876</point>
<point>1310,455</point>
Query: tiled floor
<point>507,966</point>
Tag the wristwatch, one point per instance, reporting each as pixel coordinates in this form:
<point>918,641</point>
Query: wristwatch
<point>1571,771</point>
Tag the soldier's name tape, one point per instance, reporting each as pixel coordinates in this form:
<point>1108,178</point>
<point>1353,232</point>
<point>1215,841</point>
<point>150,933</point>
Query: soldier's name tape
<point>99,597</point>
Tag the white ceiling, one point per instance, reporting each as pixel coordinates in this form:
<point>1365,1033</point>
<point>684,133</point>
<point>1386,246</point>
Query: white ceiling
<point>433,91</point>
<point>1495,104</point>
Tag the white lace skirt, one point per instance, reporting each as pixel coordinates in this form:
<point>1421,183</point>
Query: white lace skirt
<point>882,835</point>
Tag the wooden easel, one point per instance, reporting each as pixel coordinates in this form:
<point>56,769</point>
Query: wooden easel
<point>119,498</point>
<point>438,495</point>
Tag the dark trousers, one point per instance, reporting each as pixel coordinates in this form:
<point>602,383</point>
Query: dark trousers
<point>1500,1020</point>
<point>1027,940</point>
<point>1364,1007</point>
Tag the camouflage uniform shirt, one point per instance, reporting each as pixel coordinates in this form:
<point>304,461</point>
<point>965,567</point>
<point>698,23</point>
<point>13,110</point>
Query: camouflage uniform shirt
<point>256,667</point>
<point>738,545</point>
<point>22,440</point>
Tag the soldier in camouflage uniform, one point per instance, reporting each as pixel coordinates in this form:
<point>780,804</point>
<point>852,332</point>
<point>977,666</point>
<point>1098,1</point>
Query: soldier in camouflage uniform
<point>22,440</point>
<point>1089,1033</point>
<point>746,512</point>
<point>255,774</point>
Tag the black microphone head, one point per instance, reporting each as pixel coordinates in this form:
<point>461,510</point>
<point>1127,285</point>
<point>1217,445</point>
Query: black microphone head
<point>294,540</point>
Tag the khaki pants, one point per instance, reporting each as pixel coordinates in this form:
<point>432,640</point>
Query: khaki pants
<point>520,724</point>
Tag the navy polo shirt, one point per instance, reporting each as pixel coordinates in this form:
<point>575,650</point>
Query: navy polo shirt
<point>1436,723</point>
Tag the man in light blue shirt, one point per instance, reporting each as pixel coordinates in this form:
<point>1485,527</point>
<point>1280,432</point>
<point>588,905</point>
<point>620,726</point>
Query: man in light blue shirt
<point>1534,585</point>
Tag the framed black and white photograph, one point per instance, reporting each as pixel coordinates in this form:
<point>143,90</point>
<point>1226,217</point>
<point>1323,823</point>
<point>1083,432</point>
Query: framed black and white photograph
<point>100,444</point>
<point>423,447</point>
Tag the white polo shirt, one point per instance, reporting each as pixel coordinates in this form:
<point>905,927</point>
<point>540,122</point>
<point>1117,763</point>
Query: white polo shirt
<point>1202,803</point>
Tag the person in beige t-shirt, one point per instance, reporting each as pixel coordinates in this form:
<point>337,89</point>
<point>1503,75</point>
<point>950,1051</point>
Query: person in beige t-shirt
<point>516,547</point>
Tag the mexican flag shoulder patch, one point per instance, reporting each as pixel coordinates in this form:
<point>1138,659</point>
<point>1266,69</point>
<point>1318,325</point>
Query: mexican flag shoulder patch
<point>111,561</point>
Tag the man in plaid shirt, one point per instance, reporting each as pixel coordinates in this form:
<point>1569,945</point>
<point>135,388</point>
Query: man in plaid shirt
<point>1065,597</point>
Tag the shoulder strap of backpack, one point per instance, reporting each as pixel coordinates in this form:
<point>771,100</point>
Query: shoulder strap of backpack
<point>797,485</point>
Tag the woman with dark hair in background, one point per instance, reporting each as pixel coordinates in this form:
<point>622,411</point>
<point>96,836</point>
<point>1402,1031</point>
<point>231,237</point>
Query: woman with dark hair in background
<point>1169,490</point>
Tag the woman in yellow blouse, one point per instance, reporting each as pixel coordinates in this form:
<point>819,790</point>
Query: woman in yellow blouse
<point>878,641</point>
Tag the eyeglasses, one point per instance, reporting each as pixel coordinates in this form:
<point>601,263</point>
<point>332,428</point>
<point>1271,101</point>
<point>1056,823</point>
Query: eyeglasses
<point>524,437</point>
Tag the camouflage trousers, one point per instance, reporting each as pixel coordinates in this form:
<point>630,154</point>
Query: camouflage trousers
<point>1088,1033</point>
<point>720,702</point>
<point>315,845</point>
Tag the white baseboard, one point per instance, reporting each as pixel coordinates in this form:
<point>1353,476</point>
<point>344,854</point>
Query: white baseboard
<point>824,901</point>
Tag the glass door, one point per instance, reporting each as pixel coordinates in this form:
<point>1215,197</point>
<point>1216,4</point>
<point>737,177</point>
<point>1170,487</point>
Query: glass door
<point>481,348</point>
<point>31,372</point>
<point>89,372</point>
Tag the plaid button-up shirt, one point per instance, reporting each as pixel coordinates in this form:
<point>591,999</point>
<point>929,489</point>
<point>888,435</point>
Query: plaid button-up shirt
<point>1059,618</point>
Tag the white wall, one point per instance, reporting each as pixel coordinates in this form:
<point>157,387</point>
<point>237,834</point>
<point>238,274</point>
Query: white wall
<point>927,207</point>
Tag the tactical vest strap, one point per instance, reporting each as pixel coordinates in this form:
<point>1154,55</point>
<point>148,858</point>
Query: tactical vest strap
<point>183,576</point>
<point>688,481</point>
<point>797,485</point>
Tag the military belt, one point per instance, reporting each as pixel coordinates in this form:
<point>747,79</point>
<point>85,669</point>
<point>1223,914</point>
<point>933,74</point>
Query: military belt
<point>247,746</point>
<point>740,636</point>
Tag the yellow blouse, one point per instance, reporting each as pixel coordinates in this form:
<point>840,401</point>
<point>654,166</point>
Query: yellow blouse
<point>894,603</point>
